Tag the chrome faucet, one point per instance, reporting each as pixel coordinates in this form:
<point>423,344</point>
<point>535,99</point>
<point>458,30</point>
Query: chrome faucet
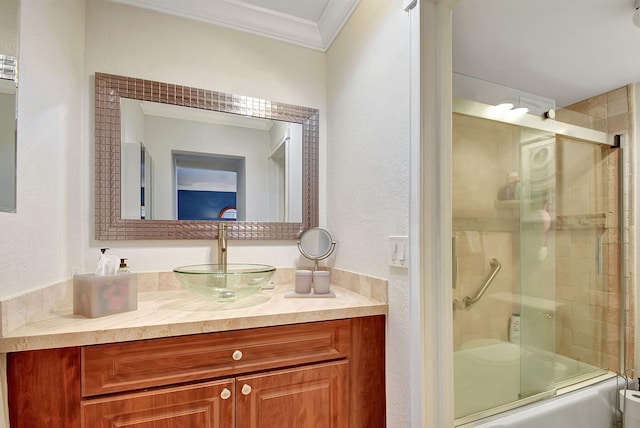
<point>222,247</point>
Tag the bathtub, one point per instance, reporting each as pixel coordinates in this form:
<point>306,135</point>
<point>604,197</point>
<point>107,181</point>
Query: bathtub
<point>593,406</point>
<point>488,379</point>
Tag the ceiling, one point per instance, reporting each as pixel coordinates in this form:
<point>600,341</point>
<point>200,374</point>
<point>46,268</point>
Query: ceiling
<point>566,50</point>
<point>170,111</point>
<point>310,23</point>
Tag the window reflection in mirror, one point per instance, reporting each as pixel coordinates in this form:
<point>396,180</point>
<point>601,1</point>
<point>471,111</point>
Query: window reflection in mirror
<point>190,150</point>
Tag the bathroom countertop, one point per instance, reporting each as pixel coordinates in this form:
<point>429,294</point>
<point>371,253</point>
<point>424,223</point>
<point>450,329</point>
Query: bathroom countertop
<point>179,312</point>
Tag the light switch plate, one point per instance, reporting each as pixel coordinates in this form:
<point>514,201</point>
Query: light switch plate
<point>399,251</point>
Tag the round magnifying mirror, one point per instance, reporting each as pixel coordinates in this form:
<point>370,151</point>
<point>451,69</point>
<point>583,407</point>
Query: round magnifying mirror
<point>316,244</point>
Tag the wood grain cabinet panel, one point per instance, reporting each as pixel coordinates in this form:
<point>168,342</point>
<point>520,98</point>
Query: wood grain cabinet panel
<point>328,374</point>
<point>44,388</point>
<point>156,362</point>
<point>209,405</point>
<point>367,368</point>
<point>314,396</point>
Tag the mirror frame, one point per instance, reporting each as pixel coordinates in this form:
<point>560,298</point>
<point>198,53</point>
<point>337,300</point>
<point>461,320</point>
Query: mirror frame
<point>109,225</point>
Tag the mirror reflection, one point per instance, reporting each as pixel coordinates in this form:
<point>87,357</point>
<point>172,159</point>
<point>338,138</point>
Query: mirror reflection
<point>188,164</point>
<point>289,210</point>
<point>7,134</point>
<point>8,88</point>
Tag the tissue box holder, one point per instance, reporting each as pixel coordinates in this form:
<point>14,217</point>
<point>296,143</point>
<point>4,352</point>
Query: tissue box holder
<point>96,296</point>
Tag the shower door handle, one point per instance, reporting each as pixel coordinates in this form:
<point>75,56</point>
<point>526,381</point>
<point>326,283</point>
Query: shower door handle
<point>454,262</point>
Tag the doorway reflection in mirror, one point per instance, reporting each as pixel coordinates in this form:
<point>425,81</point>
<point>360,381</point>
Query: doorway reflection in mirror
<point>207,163</point>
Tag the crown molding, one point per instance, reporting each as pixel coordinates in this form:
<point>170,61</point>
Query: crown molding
<point>256,20</point>
<point>335,15</point>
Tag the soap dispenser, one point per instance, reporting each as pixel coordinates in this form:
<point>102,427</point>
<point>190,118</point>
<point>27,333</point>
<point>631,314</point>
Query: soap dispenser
<point>123,266</point>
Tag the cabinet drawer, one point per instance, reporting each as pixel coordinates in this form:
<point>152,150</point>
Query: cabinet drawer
<point>155,362</point>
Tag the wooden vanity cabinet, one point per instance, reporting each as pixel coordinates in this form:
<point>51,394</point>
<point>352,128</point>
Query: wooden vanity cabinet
<point>315,375</point>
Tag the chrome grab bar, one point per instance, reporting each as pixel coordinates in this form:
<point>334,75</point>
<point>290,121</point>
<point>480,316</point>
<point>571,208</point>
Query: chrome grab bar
<point>468,301</point>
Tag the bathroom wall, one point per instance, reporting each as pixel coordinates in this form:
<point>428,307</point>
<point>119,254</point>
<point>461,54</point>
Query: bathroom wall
<point>41,240</point>
<point>368,158</point>
<point>588,322</point>
<point>590,330</point>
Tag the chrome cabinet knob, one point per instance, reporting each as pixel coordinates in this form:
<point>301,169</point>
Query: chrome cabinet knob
<point>237,355</point>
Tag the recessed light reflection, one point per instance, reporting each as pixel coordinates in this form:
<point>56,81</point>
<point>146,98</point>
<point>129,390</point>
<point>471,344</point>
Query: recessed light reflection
<point>517,112</point>
<point>508,110</point>
<point>521,110</point>
<point>503,107</point>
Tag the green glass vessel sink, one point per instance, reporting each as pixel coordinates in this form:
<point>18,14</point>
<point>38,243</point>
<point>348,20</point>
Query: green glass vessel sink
<point>214,282</point>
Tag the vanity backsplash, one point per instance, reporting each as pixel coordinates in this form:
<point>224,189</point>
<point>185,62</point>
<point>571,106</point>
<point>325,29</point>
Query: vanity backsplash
<point>18,311</point>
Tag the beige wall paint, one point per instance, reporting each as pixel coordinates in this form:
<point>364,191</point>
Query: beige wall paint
<point>38,243</point>
<point>368,154</point>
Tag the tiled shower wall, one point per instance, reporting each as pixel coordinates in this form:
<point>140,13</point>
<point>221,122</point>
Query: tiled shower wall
<point>587,325</point>
<point>483,155</point>
<point>591,330</point>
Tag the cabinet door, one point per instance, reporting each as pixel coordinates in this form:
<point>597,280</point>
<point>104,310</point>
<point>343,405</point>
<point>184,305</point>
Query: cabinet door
<point>314,396</point>
<point>209,404</point>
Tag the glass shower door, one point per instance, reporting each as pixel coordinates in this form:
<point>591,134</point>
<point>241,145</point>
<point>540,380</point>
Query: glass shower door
<point>504,203</point>
<point>536,296</point>
<point>540,201</point>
